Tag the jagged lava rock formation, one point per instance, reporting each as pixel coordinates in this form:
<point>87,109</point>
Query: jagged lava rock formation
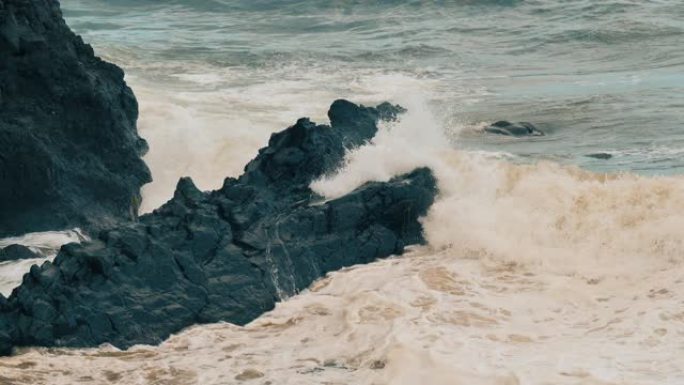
<point>225,255</point>
<point>69,149</point>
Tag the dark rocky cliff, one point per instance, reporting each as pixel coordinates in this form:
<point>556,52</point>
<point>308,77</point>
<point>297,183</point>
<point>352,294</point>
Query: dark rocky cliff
<point>70,154</point>
<point>225,255</point>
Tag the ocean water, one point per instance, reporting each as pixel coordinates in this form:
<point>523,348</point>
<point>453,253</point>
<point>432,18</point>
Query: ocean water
<point>543,265</point>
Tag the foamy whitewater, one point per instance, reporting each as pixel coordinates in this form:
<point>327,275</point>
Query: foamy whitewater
<point>543,266</point>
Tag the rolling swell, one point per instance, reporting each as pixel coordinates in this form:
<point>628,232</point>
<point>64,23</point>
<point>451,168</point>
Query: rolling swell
<point>472,61</point>
<point>534,272</point>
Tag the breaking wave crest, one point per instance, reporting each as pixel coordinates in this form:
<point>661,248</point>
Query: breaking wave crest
<point>544,215</point>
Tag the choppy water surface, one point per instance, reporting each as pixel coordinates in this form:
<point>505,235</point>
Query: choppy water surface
<point>543,266</point>
<point>214,78</point>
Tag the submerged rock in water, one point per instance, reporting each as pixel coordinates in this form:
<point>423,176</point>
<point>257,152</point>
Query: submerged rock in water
<point>600,155</point>
<point>514,129</point>
<point>16,253</point>
<point>225,255</point>
<point>70,155</point>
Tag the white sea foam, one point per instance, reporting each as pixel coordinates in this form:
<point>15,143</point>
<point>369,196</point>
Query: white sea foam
<point>534,274</point>
<point>210,121</point>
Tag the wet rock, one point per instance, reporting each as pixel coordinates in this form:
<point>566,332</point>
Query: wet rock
<point>513,129</point>
<point>5,342</point>
<point>600,155</point>
<point>224,255</point>
<point>70,155</point>
<point>16,253</point>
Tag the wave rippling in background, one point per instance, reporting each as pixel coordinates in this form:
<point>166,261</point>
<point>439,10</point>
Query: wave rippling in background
<point>543,265</point>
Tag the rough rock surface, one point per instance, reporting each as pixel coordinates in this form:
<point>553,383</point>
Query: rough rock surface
<point>69,149</point>
<point>16,253</point>
<point>514,129</point>
<point>225,255</point>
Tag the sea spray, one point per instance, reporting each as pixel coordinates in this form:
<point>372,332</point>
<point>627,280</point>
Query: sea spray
<point>209,133</point>
<point>490,301</point>
<point>559,218</point>
<point>525,280</point>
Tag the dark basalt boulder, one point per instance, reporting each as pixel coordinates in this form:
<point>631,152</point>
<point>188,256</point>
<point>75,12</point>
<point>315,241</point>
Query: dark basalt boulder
<point>16,253</point>
<point>225,255</point>
<point>70,155</point>
<point>514,129</point>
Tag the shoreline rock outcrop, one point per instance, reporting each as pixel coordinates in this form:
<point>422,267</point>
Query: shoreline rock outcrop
<point>70,155</point>
<point>224,255</point>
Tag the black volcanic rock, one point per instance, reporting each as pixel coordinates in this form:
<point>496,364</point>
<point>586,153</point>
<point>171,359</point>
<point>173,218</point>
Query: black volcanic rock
<point>513,129</point>
<point>69,149</point>
<point>225,255</point>
<point>16,253</point>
